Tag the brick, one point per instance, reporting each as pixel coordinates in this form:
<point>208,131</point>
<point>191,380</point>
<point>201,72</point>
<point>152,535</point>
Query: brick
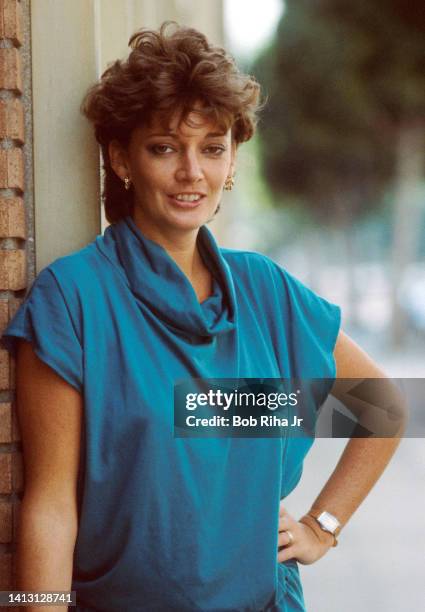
<point>6,562</point>
<point>12,218</point>
<point>4,370</point>
<point>16,432</point>
<point>11,169</point>
<point>12,120</point>
<point>16,513</point>
<point>10,69</point>
<point>2,11</point>
<point>15,168</point>
<point>13,275</point>
<point>5,473</point>
<point>14,303</point>
<point>3,168</point>
<point>4,314</point>
<point>11,23</point>
<point>12,374</point>
<point>6,522</point>
<point>5,422</point>
<point>3,118</point>
<point>17,472</point>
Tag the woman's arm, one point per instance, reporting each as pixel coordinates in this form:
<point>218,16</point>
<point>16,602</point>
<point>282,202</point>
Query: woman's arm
<point>49,413</point>
<point>360,466</point>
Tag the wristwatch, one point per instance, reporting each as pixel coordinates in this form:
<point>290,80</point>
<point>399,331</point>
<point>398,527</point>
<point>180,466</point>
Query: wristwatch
<point>327,521</point>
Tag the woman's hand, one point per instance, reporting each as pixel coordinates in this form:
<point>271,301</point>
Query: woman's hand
<point>304,545</point>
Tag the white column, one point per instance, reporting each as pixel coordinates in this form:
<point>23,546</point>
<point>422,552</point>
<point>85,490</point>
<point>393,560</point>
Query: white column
<point>66,185</point>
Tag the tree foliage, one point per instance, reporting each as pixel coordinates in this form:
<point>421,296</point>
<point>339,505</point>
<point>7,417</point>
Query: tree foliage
<point>342,79</point>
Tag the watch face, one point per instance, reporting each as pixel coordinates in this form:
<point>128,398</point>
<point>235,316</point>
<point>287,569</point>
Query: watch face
<point>328,522</point>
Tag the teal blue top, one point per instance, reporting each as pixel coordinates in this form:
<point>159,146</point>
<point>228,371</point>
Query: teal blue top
<point>169,523</point>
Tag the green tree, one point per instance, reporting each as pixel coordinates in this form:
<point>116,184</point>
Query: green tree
<point>346,107</point>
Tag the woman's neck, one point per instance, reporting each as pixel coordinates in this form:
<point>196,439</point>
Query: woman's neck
<point>182,248</point>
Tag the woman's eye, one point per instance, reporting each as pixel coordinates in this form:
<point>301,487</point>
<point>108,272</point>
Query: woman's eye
<point>215,149</point>
<point>160,149</point>
<point>163,149</point>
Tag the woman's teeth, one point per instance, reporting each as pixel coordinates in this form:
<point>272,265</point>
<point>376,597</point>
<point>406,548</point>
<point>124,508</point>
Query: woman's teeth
<point>187,197</point>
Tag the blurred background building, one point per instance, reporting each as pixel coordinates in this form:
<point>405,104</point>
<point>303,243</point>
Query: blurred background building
<point>332,187</point>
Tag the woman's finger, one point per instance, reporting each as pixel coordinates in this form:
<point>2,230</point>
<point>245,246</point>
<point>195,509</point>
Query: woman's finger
<point>285,538</point>
<point>286,522</point>
<point>286,553</point>
<point>286,546</point>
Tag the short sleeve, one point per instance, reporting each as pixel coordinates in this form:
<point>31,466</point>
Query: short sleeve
<point>44,320</point>
<point>314,326</point>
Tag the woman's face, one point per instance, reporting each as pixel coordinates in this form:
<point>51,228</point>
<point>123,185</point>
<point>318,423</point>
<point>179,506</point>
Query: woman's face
<point>177,175</point>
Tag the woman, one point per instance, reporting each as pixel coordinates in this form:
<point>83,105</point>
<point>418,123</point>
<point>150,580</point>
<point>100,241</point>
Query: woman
<point>115,507</point>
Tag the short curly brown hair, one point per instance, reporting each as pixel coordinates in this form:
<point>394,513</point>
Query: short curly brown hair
<point>167,71</point>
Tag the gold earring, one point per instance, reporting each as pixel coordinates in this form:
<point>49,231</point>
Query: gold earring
<point>127,183</point>
<point>228,183</point>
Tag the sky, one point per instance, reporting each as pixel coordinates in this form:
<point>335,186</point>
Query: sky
<point>249,23</point>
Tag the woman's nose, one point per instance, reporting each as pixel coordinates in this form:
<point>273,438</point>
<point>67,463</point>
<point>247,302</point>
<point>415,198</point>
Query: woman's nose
<point>189,169</point>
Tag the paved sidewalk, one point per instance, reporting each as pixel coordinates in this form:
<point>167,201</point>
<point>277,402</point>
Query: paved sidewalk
<point>379,564</point>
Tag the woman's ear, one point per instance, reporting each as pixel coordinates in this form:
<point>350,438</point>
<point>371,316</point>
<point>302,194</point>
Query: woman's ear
<point>118,159</point>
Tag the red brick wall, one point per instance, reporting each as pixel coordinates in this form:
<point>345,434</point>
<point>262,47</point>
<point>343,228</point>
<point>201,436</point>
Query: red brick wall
<point>13,265</point>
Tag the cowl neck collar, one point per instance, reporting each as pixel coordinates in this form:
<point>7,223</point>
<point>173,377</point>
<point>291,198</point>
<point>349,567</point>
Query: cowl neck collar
<point>156,280</point>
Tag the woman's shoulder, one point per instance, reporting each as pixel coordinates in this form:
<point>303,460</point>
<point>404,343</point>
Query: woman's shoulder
<point>78,259</point>
<point>255,267</point>
<point>80,269</point>
<point>249,260</point>
<point>268,278</point>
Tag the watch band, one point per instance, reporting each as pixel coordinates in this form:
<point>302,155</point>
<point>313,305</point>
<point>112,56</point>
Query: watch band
<point>312,522</point>
<point>320,533</point>
<point>327,521</point>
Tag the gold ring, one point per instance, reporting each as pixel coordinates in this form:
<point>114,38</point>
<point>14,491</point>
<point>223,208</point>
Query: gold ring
<point>290,536</point>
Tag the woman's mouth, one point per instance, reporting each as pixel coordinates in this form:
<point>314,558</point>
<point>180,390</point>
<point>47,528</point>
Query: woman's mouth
<point>186,200</point>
